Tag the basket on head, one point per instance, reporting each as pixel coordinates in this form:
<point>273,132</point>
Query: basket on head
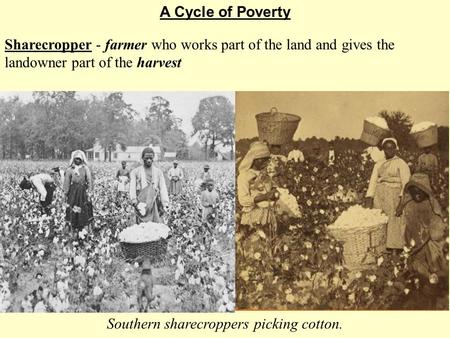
<point>372,134</point>
<point>361,245</point>
<point>426,138</point>
<point>277,128</point>
<point>154,251</point>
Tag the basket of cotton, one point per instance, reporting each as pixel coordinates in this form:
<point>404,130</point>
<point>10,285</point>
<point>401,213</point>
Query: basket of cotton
<point>275,127</point>
<point>374,129</point>
<point>363,232</point>
<point>144,240</point>
<point>425,134</point>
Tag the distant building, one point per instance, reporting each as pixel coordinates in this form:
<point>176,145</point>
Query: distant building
<point>131,153</point>
<point>170,155</point>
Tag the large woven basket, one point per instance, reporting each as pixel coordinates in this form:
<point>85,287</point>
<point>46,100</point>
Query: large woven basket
<point>275,127</point>
<point>154,251</point>
<point>372,134</point>
<point>427,137</point>
<point>362,246</point>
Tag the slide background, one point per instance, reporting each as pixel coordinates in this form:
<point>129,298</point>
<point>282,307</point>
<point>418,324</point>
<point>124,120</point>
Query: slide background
<point>419,62</point>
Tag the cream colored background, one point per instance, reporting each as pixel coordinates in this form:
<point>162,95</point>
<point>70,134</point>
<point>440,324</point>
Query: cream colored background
<point>331,114</point>
<point>419,62</point>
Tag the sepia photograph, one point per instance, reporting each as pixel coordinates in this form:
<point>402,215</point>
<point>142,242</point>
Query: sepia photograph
<point>117,201</point>
<point>342,200</point>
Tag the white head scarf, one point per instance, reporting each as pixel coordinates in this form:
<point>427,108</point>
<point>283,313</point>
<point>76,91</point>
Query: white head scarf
<point>78,154</point>
<point>257,150</point>
<point>390,139</point>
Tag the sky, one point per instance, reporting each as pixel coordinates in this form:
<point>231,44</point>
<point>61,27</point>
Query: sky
<point>183,104</point>
<point>331,114</point>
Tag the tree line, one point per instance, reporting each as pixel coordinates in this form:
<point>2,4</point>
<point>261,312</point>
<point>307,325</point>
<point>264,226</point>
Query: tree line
<point>398,122</point>
<point>54,123</point>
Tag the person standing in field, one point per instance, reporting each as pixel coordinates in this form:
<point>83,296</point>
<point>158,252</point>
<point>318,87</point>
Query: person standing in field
<point>255,191</point>
<point>209,199</point>
<point>77,189</point>
<point>425,227</point>
<point>123,178</point>
<point>204,176</point>
<point>148,191</point>
<point>385,191</point>
<point>428,163</point>
<point>175,175</point>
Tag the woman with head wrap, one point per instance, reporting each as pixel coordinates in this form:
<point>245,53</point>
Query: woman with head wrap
<point>175,175</point>
<point>148,191</point>
<point>255,191</point>
<point>77,189</point>
<point>425,227</point>
<point>385,191</point>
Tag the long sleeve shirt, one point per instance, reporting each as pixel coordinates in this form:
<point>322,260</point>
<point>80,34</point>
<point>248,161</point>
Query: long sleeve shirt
<point>206,175</point>
<point>39,182</point>
<point>392,171</point>
<point>175,172</point>
<point>245,199</point>
<point>209,198</point>
<point>81,176</point>
<point>138,181</point>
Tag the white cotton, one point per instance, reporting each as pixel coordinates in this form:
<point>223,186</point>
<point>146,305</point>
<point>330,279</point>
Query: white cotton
<point>375,154</point>
<point>144,232</point>
<point>421,126</point>
<point>359,217</point>
<point>289,202</point>
<point>378,121</point>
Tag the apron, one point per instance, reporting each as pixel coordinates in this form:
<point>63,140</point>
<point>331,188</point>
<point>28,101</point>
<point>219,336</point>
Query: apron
<point>149,196</point>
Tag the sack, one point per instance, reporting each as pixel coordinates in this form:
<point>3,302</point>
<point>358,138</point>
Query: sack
<point>159,205</point>
<point>90,210</point>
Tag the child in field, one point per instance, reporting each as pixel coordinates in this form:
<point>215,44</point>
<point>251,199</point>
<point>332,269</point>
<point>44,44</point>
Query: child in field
<point>209,200</point>
<point>425,228</point>
<point>123,178</point>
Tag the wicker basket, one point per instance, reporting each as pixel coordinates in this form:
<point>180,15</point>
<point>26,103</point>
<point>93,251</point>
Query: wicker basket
<point>362,246</point>
<point>427,137</point>
<point>151,250</point>
<point>275,127</point>
<point>372,134</point>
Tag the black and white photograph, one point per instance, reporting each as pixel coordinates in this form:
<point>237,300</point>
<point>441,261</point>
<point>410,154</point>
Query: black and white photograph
<point>117,201</point>
<point>342,200</point>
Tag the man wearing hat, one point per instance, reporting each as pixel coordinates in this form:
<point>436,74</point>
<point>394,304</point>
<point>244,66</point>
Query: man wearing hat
<point>148,188</point>
<point>206,175</point>
<point>209,199</point>
<point>175,175</point>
